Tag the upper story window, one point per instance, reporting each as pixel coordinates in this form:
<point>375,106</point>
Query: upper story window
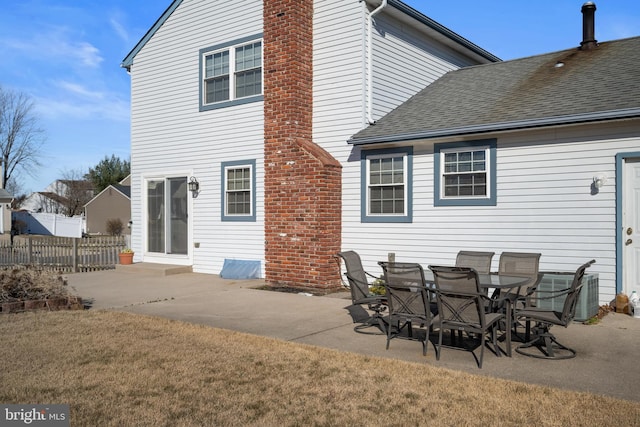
<point>238,195</point>
<point>465,174</point>
<point>231,73</point>
<point>387,184</point>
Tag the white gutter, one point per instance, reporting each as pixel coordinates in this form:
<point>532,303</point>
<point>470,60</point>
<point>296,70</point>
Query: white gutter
<point>370,61</point>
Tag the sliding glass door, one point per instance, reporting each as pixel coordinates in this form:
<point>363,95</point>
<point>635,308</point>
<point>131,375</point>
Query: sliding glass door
<point>167,227</point>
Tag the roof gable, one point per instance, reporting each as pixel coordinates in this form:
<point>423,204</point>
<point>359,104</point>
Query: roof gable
<point>128,60</point>
<point>125,190</point>
<point>569,86</point>
<point>444,33</point>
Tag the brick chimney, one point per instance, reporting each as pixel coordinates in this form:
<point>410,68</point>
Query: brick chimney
<point>303,182</point>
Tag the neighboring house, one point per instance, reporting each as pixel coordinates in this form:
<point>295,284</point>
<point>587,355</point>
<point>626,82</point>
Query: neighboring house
<point>539,154</point>
<point>5,206</point>
<point>64,197</point>
<point>250,104</point>
<point>112,203</point>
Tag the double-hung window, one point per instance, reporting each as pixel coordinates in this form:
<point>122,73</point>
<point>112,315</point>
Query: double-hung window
<point>231,73</point>
<point>465,174</point>
<point>238,195</point>
<point>386,183</point>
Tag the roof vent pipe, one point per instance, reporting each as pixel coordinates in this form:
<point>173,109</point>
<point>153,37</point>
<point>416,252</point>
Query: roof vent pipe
<point>588,26</point>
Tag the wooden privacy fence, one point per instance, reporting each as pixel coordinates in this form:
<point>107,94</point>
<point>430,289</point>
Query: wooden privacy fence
<point>64,254</point>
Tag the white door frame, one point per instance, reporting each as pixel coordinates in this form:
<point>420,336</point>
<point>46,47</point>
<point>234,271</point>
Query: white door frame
<point>621,235</point>
<point>164,258</point>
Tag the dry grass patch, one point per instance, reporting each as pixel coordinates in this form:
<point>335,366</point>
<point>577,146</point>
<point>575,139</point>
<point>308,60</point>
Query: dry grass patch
<point>124,369</point>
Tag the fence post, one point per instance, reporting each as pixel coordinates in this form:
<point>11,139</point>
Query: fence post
<point>75,255</point>
<point>30,251</point>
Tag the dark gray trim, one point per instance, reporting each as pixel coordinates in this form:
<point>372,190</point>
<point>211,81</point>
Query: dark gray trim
<point>128,60</point>
<point>408,217</point>
<point>438,200</point>
<point>231,102</point>
<point>238,218</point>
<point>500,127</point>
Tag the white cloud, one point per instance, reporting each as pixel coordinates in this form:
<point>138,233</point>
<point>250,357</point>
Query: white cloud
<point>77,89</point>
<point>119,29</point>
<point>72,108</point>
<point>88,54</point>
<point>57,46</point>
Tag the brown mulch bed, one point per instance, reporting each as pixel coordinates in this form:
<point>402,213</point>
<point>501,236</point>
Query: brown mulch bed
<point>35,289</point>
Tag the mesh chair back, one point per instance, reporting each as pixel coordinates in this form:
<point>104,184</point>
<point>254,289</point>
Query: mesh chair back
<point>356,275</point>
<point>479,261</point>
<point>570,304</point>
<point>407,295</point>
<point>521,264</point>
<point>459,297</point>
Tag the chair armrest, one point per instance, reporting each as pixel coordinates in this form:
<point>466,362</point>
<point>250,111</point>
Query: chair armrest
<point>374,277</point>
<point>535,295</point>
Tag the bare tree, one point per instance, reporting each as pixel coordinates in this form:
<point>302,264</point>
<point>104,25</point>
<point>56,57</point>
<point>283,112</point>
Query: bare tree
<point>20,137</point>
<point>75,191</point>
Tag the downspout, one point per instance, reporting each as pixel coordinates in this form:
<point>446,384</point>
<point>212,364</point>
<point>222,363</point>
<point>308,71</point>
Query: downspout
<point>370,61</point>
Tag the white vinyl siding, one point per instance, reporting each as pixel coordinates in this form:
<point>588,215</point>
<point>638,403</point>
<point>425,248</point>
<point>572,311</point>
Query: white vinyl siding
<point>404,62</point>
<point>170,136</point>
<point>340,90</point>
<point>544,204</point>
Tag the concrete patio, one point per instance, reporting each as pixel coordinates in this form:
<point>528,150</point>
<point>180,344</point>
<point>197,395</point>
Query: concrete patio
<point>607,352</point>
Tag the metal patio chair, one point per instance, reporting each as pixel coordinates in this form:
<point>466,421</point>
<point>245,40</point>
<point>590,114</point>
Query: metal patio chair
<point>462,307</point>
<point>525,264</point>
<point>408,301</point>
<point>358,280</point>
<point>479,261</point>
<point>521,264</point>
<point>544,344</point>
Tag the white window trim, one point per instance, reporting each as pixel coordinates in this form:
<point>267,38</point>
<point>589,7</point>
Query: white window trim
<point>490,199</point>
<point>232,71</point>
<point>365,165</point>
<point>226,166</point>
<point>404,183</point>
<point>228,46</point>
<point>487,171</point>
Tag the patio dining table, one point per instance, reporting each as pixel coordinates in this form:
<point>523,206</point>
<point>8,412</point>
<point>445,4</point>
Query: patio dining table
<point>500,282</point>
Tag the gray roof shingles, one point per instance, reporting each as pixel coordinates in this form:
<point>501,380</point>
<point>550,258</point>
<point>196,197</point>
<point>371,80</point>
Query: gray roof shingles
<point>593,84</point>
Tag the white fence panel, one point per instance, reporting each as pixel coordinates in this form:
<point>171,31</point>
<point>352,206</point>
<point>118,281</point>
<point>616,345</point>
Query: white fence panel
<point>49,224</point>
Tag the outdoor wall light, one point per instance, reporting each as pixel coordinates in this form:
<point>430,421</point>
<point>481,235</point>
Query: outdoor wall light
<point>599,181</point>
<point>194,185</point>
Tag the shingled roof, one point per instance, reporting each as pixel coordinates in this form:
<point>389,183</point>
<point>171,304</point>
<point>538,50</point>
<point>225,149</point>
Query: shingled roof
<point>570,86</point>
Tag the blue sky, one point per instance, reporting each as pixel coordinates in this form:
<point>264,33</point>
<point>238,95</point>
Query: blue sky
<point>66,55</point>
